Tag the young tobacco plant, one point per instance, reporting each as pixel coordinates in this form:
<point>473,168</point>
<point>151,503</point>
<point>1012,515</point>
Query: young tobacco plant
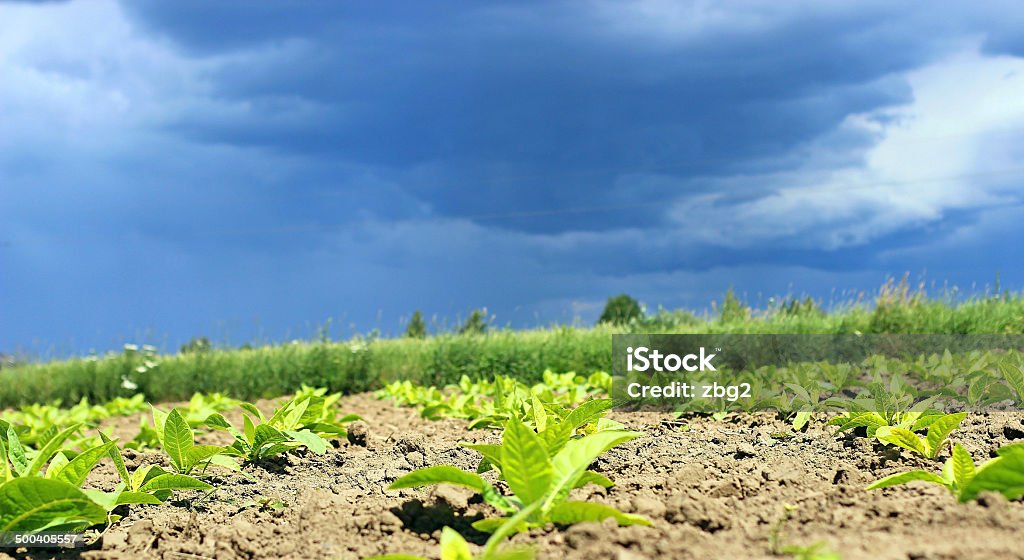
<point>300,422</point>
<point>1003,474</point>
<point>178,442</point>
<point>540,469</point>
<point>929,446</point>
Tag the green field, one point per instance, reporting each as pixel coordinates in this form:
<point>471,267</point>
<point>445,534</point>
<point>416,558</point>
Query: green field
<point>363,364</point>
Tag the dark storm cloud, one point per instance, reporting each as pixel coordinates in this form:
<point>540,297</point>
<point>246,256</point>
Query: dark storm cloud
<point>275,163</point>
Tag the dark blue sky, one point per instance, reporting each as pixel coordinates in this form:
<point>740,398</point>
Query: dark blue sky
<point>249,170</point>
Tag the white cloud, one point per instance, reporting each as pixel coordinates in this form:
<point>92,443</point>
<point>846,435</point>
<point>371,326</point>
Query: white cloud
<point>954,147</point>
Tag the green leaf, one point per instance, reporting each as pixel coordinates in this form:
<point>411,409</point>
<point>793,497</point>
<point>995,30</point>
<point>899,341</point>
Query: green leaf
<point>251,409</point>
<point>963,466</point>
<point>568,513</point>
<point>16,451</point>
<point>940,429</point>
<point>177,440</point>
<point>75,472</point>
<point>903,438</point>
<point>59,461</point>
<point>587,412</point>
<point>225,462</point>
<point>591,477</point>
<point>200,454</point>
<point>170,481</point>
<point>127,497</point>
<point>143,475</point>
<point>540,416</point>
<point>1014,376</point>
<point>440,474</point>
<point>33,504</point>
<point>49,450</point>
<point>526,466</point>
<point>570,463</point>
<point>115,456</point>
<point>453,546</point>
<point>265,435</point>
<point>490,451</point>
<point>159,420</point>
<point>801,419</point>
<point>313,442</point>
<point>909,476</point>
<point>1004,474</point>
<point>5,467</point>
<point>249,429</point>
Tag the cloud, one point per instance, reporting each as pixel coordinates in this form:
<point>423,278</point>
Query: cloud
<point>175,173</point>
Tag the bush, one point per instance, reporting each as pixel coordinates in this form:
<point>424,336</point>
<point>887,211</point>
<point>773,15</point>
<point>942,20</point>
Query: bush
<point>620,310</point>
<point>417,327</point>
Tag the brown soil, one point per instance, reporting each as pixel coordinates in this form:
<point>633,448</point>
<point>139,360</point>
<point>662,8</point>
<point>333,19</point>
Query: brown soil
<point>715,489</point>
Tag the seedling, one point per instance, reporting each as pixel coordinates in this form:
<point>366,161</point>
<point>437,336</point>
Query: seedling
<point>535,476</point>
<point>178,442</point>
<point>928,446</point>
<point>1003,474</point>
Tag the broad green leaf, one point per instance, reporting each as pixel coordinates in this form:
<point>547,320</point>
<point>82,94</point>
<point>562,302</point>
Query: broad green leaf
<point>526,466</point>
<point>200,454</point>
<point>540,416</point>
<point>591,477</point>
<point>453,546</point>
<point>170,481</point>
<point>33,504</point>
<point>1004,474</point>
<point>265,435</point>
<point>801,419</point>
<point>490,451</point>
<point>1014,376</point>
<point>16,451</point>
<point>251,409</point>
<point>568,513</point>
<point>5,467</point>
<point>177,440</point>
<point>59,461</point>
<point>142,498</point>
<point>556,436</point>
<point>963,466</point>
<point>587,412</point>
<point>313,442</point>
<point>570,463</point>
<point>75,472</point>
<point>159,420</point>
<point>249,429</point>
<point>491,524</point>
<point>225,462</point>
<point>144,474</point>
<point>49,450</point>
<point>440,474</point>
<point>903,438</point>
<point>115,456</point>
<point>940,429</point>
<point>909,476</point>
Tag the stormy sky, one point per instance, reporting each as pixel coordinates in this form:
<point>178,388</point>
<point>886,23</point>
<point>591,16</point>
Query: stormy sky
<point>247,170</point>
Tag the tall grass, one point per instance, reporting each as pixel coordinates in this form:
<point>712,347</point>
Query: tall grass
<point>360,364</point>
